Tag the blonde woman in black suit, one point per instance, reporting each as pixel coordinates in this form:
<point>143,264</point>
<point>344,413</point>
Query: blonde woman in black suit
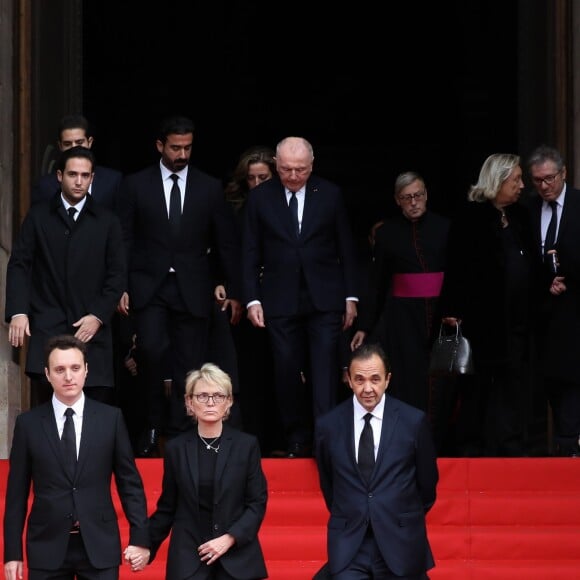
<point>214,494</point>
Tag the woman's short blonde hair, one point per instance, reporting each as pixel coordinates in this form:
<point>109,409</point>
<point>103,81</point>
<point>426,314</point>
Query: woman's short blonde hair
<point>210,373</point>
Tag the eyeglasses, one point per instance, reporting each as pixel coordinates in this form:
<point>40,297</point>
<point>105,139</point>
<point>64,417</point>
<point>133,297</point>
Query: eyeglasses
<point>217,398</point>
<point>408,198</point>
<point>548,180</point>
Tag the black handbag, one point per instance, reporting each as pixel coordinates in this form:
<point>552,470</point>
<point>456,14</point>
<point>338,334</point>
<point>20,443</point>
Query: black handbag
<point>451,354</point>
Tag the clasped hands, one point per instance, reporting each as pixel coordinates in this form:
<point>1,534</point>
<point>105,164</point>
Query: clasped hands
<point>137,557</point>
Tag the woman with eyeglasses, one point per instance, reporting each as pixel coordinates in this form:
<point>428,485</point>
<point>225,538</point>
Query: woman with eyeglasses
<point>489,287</point>
<point>214,493</point>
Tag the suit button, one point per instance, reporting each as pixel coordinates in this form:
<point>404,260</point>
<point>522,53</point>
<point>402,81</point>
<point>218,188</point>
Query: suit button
<point>370,496</point>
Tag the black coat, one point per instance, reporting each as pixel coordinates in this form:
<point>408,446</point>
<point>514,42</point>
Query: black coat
<point>475,287</point>
<point>56,275</point>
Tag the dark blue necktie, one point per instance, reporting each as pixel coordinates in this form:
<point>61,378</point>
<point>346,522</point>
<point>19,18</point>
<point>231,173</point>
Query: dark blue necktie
<point>293,205</point>
<point>366,449</point>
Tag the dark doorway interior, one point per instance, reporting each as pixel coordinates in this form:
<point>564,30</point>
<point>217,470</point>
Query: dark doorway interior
<point>378,89</point>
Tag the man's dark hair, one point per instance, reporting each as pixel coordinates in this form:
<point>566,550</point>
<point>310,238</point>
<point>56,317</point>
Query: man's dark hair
<point>175,125</point>
<point>63,342</point>
<point>74,121</point>
<point>366,351</point>
<point>75,152</point>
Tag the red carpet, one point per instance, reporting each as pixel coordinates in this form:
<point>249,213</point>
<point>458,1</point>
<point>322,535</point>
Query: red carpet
<point>494,519</point>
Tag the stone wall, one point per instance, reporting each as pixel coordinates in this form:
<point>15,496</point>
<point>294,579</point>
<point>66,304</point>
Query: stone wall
<point>9,371</point>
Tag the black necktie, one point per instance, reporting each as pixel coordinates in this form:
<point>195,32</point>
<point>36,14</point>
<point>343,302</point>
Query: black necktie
<point>71,215</point>
<point>293,205</point>
<point>366,449</point>
<point>69,442</point>
<point>175,207</point>
<point>552,226</point>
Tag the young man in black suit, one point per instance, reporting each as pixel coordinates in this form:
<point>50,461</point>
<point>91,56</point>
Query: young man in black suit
<point>72,527</point>
<point>378,473</point>
<point>74,131</point>
<point>178,230</point>
<point>300,283</point>
<point>66,275</point>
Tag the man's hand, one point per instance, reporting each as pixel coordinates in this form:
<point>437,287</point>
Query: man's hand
<point>357,339</point>
<point>13,570</point>
<point>137,557</point>
<point>256,315</point>
<point>349,315</point>
<point>123,306</point>
<point>558,286</point>
<point>87,327</point>
<point>18,329</point>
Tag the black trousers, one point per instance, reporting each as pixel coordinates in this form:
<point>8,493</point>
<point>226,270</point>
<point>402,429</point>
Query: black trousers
<point>170,343</point>
<point>76,566</point>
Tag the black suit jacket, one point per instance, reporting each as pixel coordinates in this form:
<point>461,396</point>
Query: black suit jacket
<point>402,487</point>
<point>104,189</point>
<point>274,258</point>
<point>240,496</point>
<point>57,274</point>
<point>208,227</point>
<point>560,315</point>
<point>36,458</point>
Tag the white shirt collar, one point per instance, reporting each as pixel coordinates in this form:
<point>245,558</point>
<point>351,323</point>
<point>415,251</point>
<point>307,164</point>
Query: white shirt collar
<point>165,173</point>
<point>360,411</point>
<point>559,200</point>
<point>79,206</point>
<point>59,407</point>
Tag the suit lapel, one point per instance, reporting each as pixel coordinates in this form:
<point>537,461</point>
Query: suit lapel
<point>156,199</point>
<point>191,457</point>
<point>282,209</point>
<point>311,208</point>
<point>51,431</point>
<point>89,435</point>
<point>222,460</point>
<point>537,219</point>
<point>390,418</point>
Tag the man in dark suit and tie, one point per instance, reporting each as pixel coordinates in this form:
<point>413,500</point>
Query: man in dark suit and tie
<point>180,233</point>
<point>66,274</point>
<point>559,325</point>
<point>378,474</point>
<point>74,131</point>
<point>300,283</point>
<point>72,528</point>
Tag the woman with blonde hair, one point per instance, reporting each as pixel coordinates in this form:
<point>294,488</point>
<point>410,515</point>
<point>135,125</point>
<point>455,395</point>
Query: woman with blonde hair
<point>214,494</point>
<point>488,288</point>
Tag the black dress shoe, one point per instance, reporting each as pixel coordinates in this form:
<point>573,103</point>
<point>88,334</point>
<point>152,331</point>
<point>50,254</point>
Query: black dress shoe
<point>297,450</point>
<point>149,447</point>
